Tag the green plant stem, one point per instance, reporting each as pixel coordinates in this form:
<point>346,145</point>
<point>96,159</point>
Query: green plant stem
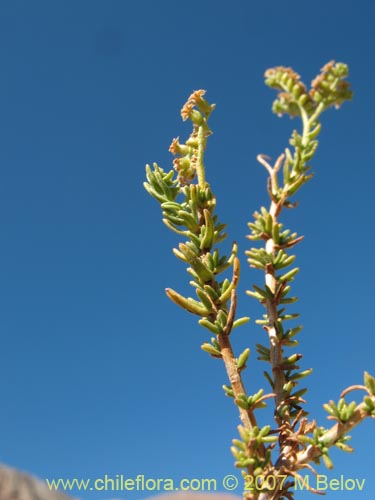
<point>200,165</point>
<point>308,122</point>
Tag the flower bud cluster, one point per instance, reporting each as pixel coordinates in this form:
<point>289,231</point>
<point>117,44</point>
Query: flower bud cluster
<point>329,88</point>
<point>198,110</point>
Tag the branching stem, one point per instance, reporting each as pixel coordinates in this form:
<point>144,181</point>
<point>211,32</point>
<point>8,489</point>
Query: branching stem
<point>331,436</point>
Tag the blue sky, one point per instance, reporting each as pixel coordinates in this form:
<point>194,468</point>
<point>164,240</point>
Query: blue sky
<point>100,373</point>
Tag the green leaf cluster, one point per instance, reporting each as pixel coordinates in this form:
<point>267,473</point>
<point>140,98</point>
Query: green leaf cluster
<point>244,449</point>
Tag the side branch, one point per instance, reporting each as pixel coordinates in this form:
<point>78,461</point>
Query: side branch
<point>333,435</point>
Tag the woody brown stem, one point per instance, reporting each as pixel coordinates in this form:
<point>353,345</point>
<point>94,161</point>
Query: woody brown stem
<point>247,416</point>
<point>276,352</point>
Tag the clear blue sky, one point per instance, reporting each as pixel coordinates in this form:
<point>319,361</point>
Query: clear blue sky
<point>100,373</point>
